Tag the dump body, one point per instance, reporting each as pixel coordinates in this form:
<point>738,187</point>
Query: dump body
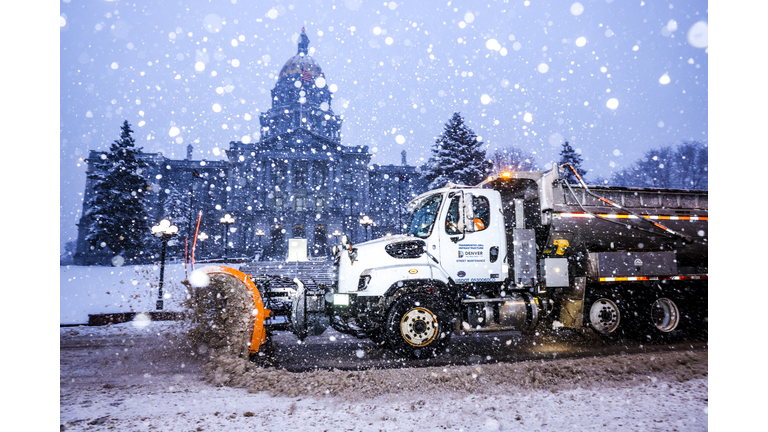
<point>595,230</point>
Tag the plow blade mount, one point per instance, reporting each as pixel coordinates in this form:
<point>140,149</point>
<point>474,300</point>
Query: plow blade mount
<point>228,309</point>
<point>308,316</point>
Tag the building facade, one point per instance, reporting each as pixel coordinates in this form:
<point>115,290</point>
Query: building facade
<point>297,181</point>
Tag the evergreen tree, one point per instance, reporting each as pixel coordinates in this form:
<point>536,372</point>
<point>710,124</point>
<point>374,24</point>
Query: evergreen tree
<point>568,155</point>
<point>118,210</point>
<point>457,157</point>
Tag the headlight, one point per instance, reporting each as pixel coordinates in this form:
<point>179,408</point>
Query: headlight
<point>344,240</point>
<point>340,300</point>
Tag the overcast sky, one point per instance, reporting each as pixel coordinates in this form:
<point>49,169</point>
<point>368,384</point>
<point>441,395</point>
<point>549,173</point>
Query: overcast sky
<point>614,78</point>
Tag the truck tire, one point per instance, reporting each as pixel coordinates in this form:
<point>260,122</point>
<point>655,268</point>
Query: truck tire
<point>417,325</point>
<point>603,315</point>
<point>670,312</point>
<point>661,319</point>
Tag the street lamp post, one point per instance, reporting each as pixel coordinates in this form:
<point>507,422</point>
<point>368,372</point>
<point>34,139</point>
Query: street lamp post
<point>227,220</point>
<point>336,234</point>
<point>202,237</point>
<point>366,222</point>
<point>400,180</point>
<point>164,231</point>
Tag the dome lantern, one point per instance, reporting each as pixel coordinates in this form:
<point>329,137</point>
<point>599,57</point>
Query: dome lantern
<point>303,43</point>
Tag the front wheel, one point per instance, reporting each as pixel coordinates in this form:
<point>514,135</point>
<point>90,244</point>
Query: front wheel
<point>417,325</point>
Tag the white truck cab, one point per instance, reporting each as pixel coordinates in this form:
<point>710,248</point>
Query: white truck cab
<point>454,236</point>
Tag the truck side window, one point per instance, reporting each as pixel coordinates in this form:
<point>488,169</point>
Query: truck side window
<point>482,211</point>
<point>452,219</point>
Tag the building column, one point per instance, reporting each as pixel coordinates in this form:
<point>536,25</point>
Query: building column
<point>289,182</point>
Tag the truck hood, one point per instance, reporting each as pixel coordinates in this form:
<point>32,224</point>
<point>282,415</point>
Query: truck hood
<point>378,255</point>
<point>383,241</point>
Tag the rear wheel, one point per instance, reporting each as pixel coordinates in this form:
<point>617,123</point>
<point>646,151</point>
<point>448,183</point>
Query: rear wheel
<point>604,316</point>
<point>665,315</point>
<point>417,326</point>
<point>661,319</point>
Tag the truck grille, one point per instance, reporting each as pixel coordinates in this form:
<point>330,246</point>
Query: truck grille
<point>407,249</point>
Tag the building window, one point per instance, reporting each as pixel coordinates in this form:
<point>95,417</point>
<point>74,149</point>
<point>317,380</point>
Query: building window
<point>298,231</point>
<point>347,178</point>
<point>319,204</point>
<point>321,174</point>
<point>279,202</point>
<point>348,206</point>
<point>299,203</point>
<point>300,173</point>
<point>320,240</point>
<point>276,248</point>
<point>279,172</point>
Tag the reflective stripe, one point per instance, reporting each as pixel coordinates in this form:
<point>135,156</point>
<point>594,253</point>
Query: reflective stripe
<point>647,278</point>
<point>629,216</point>
<point>626,279</point>
<point>691,277</point>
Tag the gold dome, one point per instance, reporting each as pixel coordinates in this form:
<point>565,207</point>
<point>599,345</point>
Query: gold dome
<point>300,63</point>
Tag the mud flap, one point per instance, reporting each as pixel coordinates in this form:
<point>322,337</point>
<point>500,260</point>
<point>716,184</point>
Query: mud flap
<point>572,304</point>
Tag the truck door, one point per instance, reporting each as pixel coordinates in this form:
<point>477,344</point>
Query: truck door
<point>472,237</point>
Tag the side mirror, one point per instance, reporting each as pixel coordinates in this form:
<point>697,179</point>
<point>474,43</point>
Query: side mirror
<point>467,211</point>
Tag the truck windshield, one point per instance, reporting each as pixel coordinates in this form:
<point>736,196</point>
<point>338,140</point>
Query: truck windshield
<point>423,216</point>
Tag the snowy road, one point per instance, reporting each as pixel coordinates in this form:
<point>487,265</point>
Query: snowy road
<point>335,350</point>
<point>128,378</point>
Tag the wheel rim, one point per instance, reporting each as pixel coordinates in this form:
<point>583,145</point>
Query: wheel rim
<point>665,315</point>
<point>604,316</point>
<point>419,326</point>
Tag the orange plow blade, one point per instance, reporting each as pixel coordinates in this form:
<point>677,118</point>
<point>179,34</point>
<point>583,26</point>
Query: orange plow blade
<point>220,276</point>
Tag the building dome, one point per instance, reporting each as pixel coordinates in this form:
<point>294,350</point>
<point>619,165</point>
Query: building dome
<point>300,99</point>
<point>300,63</point>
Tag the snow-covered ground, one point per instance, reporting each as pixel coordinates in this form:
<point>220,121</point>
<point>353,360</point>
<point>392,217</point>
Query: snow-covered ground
<point>145,376</point>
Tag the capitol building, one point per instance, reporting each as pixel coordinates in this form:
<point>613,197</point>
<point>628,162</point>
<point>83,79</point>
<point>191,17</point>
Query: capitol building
<point>299,181</point>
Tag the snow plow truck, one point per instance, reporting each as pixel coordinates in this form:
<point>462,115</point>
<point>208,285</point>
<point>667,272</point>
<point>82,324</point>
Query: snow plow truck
<point>517,251</point>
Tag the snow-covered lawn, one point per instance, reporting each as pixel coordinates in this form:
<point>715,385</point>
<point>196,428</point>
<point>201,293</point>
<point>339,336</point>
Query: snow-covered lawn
<point>92,290</point>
